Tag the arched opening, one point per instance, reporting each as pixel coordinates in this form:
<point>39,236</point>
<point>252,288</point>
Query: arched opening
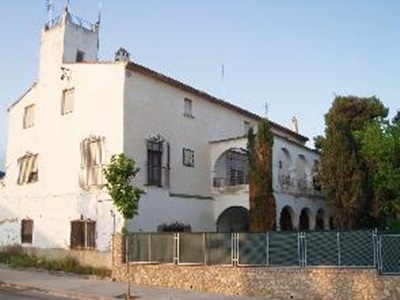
<point>301,174</point>
<point>319,220</point>
<point>231,168</point>
<point>286,220</point>
<point>233,219</point>
<point>284,165</point>
<point>304,219</point>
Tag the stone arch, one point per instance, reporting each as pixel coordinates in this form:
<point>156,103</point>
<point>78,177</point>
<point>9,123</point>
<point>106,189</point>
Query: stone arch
<point>233,219</point>
<point>320,220</point>
<point>304,219</point>
<point>286,219</point>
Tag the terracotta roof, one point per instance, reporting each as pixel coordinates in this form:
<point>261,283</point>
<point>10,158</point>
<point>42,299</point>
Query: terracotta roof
<point>175,83</point>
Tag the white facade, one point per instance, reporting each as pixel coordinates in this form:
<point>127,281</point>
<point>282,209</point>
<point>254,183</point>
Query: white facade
<point>80,112</point>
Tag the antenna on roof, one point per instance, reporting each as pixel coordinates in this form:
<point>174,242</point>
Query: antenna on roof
<point>67,6</point>
<point>99,15</point>
<point>266,107</point>
<point>98,29</point>
<point>50,8</point>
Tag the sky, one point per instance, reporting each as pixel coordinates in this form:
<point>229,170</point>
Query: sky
<point>293,55</point>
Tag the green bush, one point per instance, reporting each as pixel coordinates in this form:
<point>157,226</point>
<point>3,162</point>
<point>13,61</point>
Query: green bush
<point>15,257</point>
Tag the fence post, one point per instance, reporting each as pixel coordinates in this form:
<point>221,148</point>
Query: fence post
<point>177,248</point>
<point>379,248</point>
<point>267,248</point>
<point>149,245</point>
<point>127,263</point>
<point>235,248</point>
<point>338,247</point>
<point>204,249</point>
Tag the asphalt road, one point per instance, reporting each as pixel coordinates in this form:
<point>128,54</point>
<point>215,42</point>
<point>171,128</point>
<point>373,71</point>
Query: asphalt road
<point>8,292</point>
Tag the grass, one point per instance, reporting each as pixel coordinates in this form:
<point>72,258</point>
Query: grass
<point>15,257</point>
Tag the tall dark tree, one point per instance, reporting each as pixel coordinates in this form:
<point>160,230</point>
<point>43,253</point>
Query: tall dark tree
<point>344,171</point>
<point>262,201</point>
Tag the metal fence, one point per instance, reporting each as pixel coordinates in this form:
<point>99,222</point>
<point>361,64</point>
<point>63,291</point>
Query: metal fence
<point>360,249</point>
<point>389,254</point>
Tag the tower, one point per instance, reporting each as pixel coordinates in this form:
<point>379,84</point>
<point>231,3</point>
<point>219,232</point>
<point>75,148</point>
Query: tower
<point>66,39</point>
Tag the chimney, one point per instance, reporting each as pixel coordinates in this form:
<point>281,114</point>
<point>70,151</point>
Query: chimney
<point>122,55</point>
<point>295,125</point>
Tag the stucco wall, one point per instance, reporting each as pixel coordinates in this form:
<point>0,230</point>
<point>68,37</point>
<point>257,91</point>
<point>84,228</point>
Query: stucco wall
<point>271,283</point>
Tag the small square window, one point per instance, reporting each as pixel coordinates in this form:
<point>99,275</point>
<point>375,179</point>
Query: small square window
<point>188,157</point>
<point>67,101</point>
<point>80,56</point>
<point>188,108</point>
<point>29,116</point>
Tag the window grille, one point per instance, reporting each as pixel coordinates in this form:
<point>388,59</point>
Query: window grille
<point>188,108</point>
<point>238,168</point>
<point>188,157</point>
<point>67,101</point>
<point>28,169</point>
<point>29,116</point>
<point>154,162</point>
<point>92,161</point>
<point>83,234</point>
<point>26,231</point>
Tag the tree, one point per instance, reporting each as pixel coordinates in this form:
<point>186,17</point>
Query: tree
<point>262,202</point>
<point>380,145</point>
<point>344,171</point>
<point>119,174</point>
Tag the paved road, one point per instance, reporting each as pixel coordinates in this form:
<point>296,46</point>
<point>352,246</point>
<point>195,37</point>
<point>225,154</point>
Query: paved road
<point>9,292</point>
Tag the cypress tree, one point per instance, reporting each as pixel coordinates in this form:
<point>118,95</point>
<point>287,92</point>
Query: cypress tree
<point>262,201</point>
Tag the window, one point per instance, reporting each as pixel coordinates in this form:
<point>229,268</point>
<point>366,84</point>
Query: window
<point>67,101</point>
<point>83,234</point>
<point>188,157</point>
<point>80,55</point>
<point>92,160</point>
<point>188,108</point>
<point>246,127</point>
<point>28,169</point>
<point>238,169</point>
<point>26,231</point>
<point>29,116</point>
<point>154,161</point>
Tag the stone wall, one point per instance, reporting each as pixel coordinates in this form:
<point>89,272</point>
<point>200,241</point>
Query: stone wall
<point>274,283</point>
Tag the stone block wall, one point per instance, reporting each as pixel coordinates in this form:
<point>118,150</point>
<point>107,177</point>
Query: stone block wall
<point>274,283</point>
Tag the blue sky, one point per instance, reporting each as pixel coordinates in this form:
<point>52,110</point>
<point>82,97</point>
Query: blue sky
<point>295,55</point>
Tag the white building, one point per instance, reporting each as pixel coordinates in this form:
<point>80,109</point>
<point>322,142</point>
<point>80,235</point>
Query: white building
<point>189,145</point>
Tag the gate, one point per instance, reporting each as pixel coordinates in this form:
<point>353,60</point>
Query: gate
<point>389,254</point>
